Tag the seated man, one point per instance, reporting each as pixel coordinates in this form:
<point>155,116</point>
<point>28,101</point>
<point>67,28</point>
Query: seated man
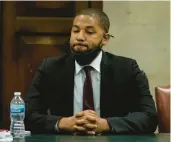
<point>89,91</point>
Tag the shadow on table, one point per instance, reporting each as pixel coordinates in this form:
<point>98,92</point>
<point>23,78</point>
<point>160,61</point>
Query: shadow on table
<point>116,138</point>
<point>103,138</point>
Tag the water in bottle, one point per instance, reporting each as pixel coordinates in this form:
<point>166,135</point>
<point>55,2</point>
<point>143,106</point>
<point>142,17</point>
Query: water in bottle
<point>17,114</point>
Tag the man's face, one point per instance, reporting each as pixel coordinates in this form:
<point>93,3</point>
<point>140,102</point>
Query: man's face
<point>86,34</point>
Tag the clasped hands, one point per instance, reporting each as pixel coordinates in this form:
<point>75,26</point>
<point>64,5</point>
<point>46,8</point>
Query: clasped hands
<point>84,122</point>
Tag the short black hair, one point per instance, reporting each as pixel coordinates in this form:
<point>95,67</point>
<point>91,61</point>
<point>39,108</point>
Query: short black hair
<point>99,15</point>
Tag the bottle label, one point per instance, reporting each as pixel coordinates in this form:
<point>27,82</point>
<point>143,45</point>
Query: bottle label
<point>17,108</point>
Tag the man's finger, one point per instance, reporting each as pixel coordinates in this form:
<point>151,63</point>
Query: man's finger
<point>80,122</point>
<point>79,114</point>
<point>91,132</point>
<point>90,126</point>
<point>91,118</point>
<point>79,128</point>
<point>91,111</point>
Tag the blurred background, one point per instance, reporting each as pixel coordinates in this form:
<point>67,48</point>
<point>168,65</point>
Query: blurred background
<point>31,31</point>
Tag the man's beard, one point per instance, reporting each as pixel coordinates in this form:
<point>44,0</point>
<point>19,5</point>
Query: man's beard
<point>85,58</point>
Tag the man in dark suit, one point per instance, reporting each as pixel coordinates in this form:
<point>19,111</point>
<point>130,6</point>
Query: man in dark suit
<point>89,91</point>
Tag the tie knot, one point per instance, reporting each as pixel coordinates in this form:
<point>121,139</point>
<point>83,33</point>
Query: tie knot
<point>87,69</point>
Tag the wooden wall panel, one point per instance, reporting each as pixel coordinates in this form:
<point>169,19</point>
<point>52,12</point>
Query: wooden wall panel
<point>33,30</point>
<point>45,8</point>
<point>1,33</point>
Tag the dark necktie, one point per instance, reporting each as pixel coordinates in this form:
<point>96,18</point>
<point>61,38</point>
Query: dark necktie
<point>88,102</point>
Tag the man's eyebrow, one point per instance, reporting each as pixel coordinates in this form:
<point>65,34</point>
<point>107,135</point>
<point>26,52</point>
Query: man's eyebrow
<point>89,27</point>
<point>76,26</point>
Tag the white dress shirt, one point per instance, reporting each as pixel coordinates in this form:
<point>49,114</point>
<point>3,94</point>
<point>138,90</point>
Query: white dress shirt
<point>79,82</point>
<point>79,78</point>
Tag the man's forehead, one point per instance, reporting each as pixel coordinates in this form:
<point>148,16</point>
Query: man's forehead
<point>86,26</point>
<point>85,20</point>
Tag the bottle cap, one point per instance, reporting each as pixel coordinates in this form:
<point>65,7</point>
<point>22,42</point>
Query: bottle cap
<point>17,93</point>
<point>27,133</point>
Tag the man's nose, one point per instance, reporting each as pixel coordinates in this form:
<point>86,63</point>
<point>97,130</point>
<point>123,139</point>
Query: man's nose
<point>80,36</point>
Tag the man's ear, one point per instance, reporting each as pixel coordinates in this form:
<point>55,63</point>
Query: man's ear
<point>106,38</point>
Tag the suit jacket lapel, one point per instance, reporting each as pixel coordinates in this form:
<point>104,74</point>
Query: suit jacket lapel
<point>107,85</point>
<point>67,84</point>
<point>70,68</point>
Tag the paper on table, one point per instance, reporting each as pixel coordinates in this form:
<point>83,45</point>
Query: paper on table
<point>6,140</point>
<point>5,136</point>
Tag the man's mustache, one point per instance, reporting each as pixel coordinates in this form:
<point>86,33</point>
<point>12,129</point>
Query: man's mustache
<point>80,44</point>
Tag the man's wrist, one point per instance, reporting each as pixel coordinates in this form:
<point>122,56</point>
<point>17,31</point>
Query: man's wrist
<point>56,125</point>
<point>106,126</point>
<point>61,125</point>
<point>110,126</point>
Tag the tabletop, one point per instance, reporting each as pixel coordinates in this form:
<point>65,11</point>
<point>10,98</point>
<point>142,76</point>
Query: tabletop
<point>162,137</point>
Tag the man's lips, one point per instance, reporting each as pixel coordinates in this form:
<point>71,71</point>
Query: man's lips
<point>80,45</point>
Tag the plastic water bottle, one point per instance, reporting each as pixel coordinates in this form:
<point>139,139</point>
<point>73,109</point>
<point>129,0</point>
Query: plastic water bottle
<point>17,114</point>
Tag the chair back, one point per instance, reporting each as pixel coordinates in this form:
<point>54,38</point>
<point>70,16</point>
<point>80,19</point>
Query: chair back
<point>162,94</point>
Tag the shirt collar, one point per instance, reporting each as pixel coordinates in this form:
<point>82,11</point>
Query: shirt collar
<point>95,64</point>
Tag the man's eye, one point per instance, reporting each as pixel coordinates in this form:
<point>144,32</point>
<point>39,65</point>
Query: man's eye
<point>75,31</point>
<point>90,32</point>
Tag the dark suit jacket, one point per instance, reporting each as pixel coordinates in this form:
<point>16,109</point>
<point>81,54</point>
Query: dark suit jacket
<point>125,99</point>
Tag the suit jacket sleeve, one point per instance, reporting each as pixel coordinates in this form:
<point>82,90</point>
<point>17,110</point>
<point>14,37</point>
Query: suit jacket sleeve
<point>37,118</point>
<point>142,117</point>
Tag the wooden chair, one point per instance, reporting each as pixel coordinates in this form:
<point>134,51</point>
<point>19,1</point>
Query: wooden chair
<point>162,94</point>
